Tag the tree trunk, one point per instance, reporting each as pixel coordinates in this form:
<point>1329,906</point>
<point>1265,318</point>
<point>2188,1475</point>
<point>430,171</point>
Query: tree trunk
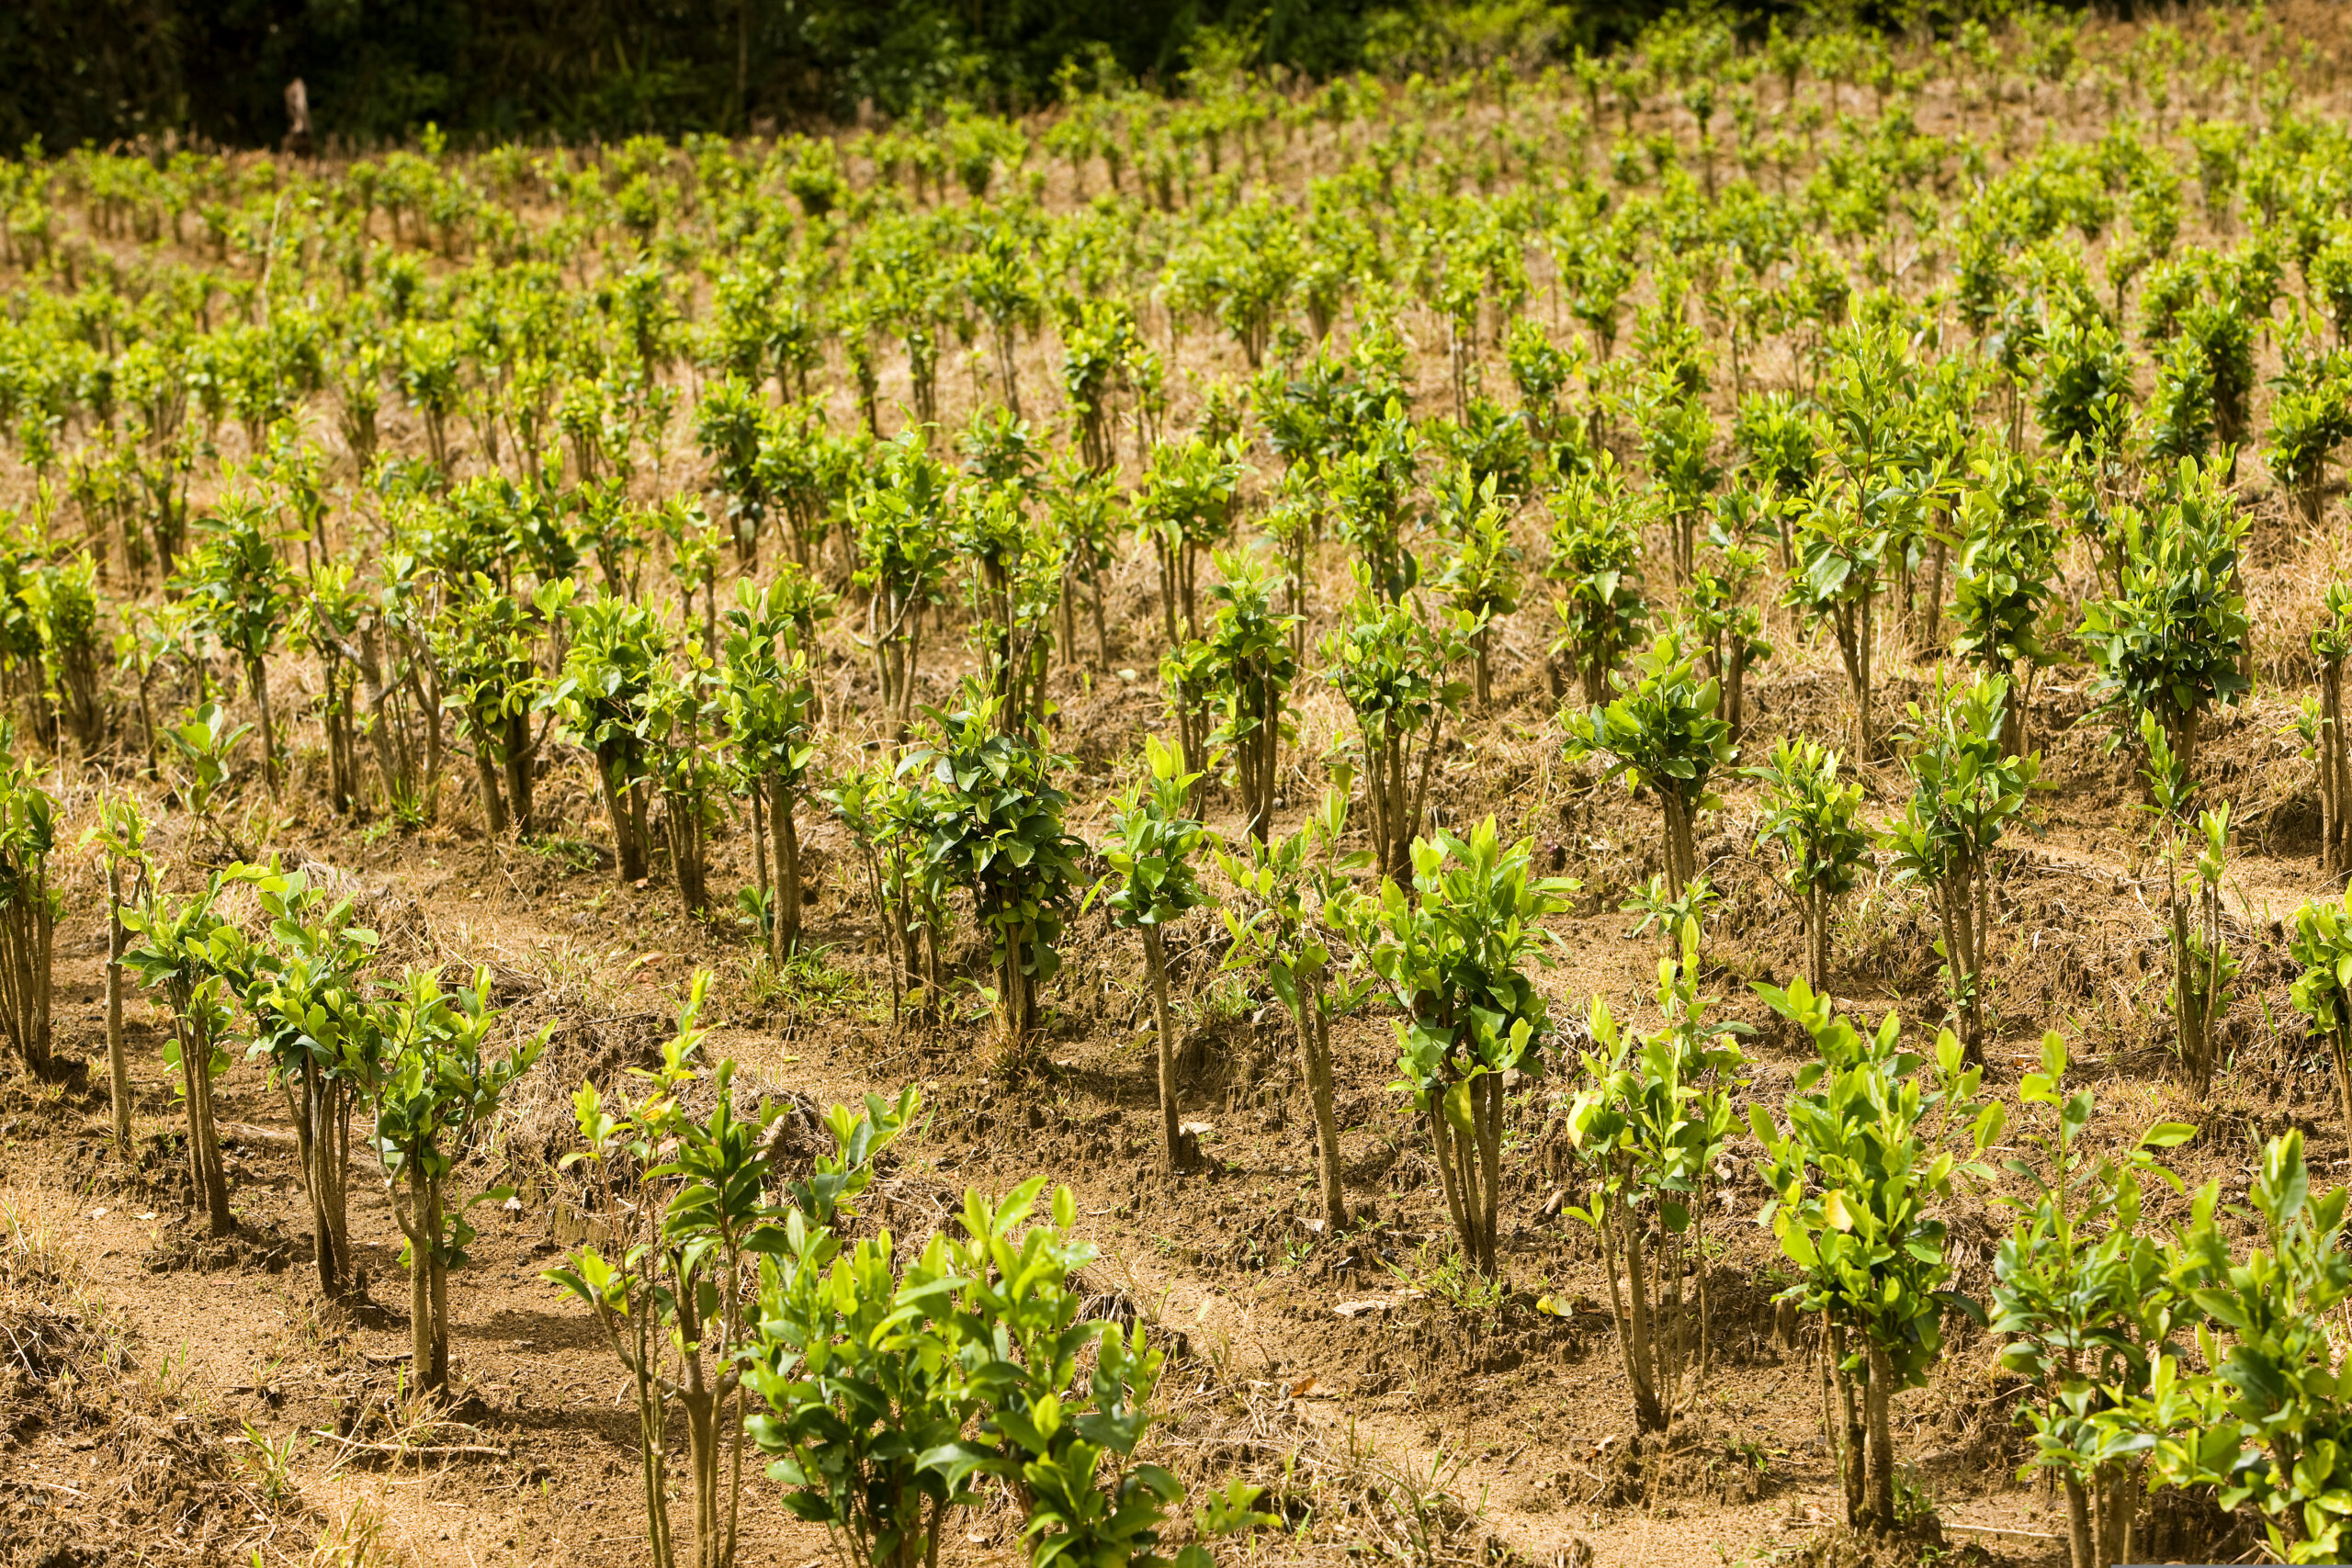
<point>1419,801</point>
<point>1450,1176</point>
<point>1487,1118</point>
<point>2183,733</point>
<point>701,1406</point>
<point>211,1176</point>
<point>1681,853</point>
<point>2338,755</point>
<point>1254,766</point>
<point>1816,940</point>
<point>1066,613</point>
<point>257,676</point>
<point>2080,1551</point>
<point>2118,1509</point>
<point>1934,593</point>
<point>430,1286</point>
<point>1855,1440</point>
<point>2188,1003</point>
<point>493,803</point>
<point>2013,719</point>
<point>2332,767</point>
<point>118,1061</point>
<point>2342,1051</point>
<point>1314,1061</point>
<point>1956,899</point>
<point>1878,1395</point>
<point>420,1278</point>
<point>1382,788</point>
<point>1736,686</point>
<point>1649,1415</point>
<point>787,869</point>
<point>335,1154</point>
<point>1154,961</point>
<point>682,825</point>
<point>1166,592</point>
<point>653,1441</point>
<point>303,1097</point>
<point>518,760</point>
<point>1016,992</point>
<point>760,878</point>
<point>627,814</point>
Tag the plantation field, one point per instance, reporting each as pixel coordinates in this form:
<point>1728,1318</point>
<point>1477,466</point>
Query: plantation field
<point>1590,814</point>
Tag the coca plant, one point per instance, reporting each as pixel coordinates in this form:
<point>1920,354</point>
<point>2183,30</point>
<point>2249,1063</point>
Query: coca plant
<point>2202,964</point>
<point>1064,1452</point>
<point>1647,1127</point>
<point>897,1391</point>
<point>1841,541</point>
<point>175,955</point>
<point>1594,564</point>
<point>1369,484</point>
<point>2329,744</point>
<point>64,602</point>
<point>769,698</point>
<point>1185,509</point>
<point>2084,1303</point>
<point>320,1031</point>
<point>604,696</point>
<point>1871,1139</point>
<point>1451,954</point>
<point>1481,581</point>
<point>2008,560</point>
<point>487,642</point>
<point>2171,642</point>
<point>1082,505</point>
<point>1964,793</point>
<point>1661,736</point>
<point>242,593</point>
<point>683,712</point>
<point>1392,666</point>
<point>900,514</point>
<point>1151,848</point>
<point>682,1199</point>
<point>1286,894</point>
<point>1677,443</point>
<point>1814,816</point>
<point>1018,562</point>
<point>1251,665</point>
<point>855,1368</point>
<point>992,825</point>
<point>2311,417</point>
<point>1726,628</point>
<point>119,834</point>
<point>2266,1423</point>
<point>2323,993</point>
<point>30,906</point>
<point>440,1086</point>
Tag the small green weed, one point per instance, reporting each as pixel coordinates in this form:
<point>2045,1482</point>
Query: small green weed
<point>1449,1277</point>
<point>808,981</point>
<point>271,1461</point>
<point>1226,1000</point>
<point>565,849</point>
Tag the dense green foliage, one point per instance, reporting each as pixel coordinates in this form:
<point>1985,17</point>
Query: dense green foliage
<point>619,67</point>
